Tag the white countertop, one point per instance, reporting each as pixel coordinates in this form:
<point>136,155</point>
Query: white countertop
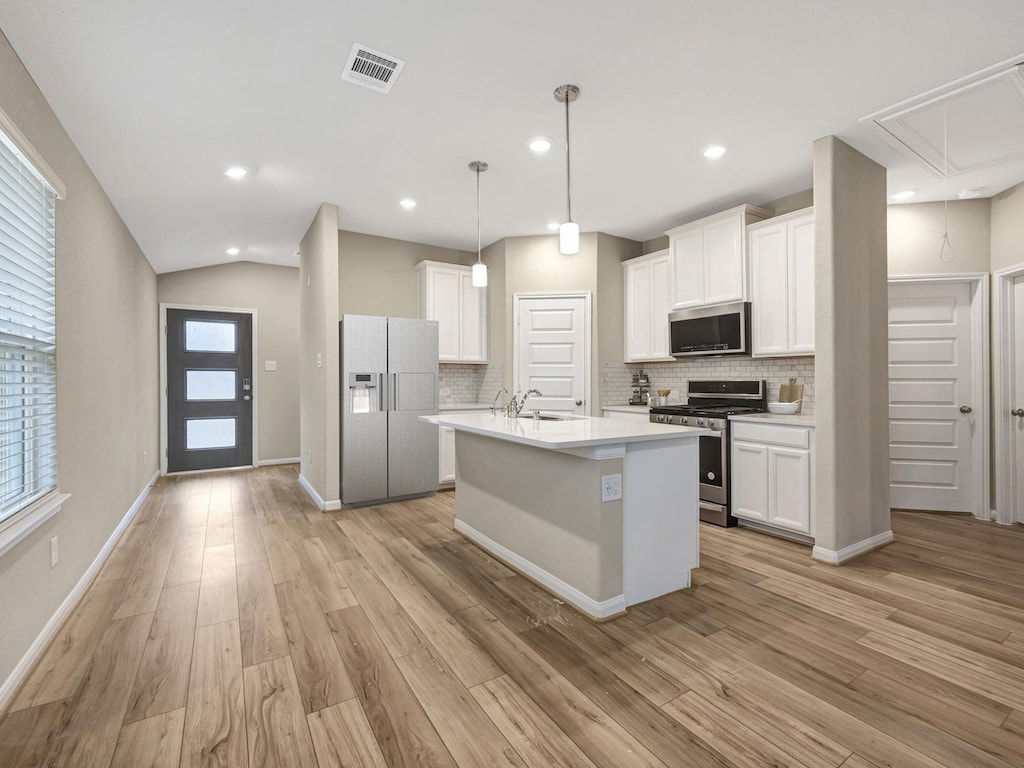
<point>796,419</point>
<point>573,432</point>
<point>465,407</point>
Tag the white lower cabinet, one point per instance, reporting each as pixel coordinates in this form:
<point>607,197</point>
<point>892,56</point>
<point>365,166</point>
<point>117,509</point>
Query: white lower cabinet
<point>641,414</point>
<point>446,451</point>
<point>772,474</point>
<point>446,463</point>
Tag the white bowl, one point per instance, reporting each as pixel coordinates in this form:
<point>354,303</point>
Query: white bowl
<point>783,408</point>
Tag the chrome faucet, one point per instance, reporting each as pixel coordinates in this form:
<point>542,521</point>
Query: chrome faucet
<point>515,405</point>
<point>494,405</point>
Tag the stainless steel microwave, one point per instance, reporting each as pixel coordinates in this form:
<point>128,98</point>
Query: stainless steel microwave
<point>707,331</point>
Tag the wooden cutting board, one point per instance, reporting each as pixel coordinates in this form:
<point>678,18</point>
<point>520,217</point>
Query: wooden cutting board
<point>792,393</point>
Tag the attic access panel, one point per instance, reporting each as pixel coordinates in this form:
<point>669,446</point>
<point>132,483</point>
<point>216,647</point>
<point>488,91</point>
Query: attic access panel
<point>915,127</point>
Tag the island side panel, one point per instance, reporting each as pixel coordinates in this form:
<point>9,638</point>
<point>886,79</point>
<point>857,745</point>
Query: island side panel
<point>661,518</point>
<point>545,507</point>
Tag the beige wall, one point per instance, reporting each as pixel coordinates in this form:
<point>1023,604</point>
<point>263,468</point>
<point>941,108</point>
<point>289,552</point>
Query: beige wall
<point>274,293</point>
<point>789,203</point>
<point>534,264</point>
<point>1008,228</point>
<point>319,411</point>
<point>611,252</point>
<point>851,367</point>
<point>915,238</point>
<point>107,377</point>
<point>377,275</point>
<point>497,304</point>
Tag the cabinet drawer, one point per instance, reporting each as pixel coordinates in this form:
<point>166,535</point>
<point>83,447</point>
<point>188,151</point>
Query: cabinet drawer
<point>776,434</point>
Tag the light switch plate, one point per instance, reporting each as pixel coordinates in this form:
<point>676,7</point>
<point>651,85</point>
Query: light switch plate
<point>270,365</point>
<point>611,487</point>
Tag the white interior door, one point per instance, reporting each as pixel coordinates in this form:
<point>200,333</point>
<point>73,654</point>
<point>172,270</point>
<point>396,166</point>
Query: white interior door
<point>930,384</point>
<point>552,346</point>
<point>1017,402</point>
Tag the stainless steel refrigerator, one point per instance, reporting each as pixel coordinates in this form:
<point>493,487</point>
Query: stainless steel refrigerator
<point>388,380</point>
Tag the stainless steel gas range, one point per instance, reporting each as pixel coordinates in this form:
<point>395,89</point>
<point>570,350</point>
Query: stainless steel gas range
<point>709,405</point>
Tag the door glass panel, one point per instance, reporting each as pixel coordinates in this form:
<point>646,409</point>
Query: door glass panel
<point>205,336</point>
<point>210,385</point>
<point>201,434</point>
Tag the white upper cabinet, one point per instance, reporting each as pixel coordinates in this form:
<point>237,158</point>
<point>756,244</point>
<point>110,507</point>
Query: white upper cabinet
<point>647,303</point>
<point>782,285</point>
<point>708,258</point>
<point>446,294</point>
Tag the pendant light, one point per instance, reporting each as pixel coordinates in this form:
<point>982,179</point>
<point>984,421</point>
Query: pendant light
<point>569,230</point>
<point>479,269</point>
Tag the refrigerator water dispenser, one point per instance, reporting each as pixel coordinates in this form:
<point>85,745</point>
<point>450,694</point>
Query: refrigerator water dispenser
<point>364,394</point>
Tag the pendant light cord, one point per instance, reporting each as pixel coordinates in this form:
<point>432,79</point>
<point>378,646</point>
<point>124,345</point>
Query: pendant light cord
<point>478,260</point>
<point>568,167</point>
<point>945,195</point>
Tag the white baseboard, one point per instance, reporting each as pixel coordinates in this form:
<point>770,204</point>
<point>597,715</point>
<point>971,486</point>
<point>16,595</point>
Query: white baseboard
<point>835,557</point>
<point>323,506</point>
<point>275,462</point>
<point>613,606</point>
<point>39,645</point>
<point>311,491</point>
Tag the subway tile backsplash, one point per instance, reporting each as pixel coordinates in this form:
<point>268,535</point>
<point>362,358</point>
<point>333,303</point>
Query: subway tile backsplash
<point>469,383</point>
<point>616,378</point>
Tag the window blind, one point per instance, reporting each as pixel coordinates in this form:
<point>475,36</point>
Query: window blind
<point>28,361</point>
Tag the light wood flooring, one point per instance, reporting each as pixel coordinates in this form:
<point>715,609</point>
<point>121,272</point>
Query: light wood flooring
<point>235,625</point>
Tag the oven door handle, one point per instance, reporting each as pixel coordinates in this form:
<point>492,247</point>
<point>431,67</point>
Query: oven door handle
<point>713,433</point>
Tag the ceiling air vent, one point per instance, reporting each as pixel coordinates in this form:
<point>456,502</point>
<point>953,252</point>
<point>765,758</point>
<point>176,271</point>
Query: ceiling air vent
<point>372,69</point>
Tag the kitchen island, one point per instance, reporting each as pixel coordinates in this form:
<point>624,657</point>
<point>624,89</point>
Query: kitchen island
<point>601,512</point>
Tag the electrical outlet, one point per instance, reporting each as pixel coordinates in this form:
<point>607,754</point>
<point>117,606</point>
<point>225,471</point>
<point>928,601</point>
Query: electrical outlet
<point>54,554</point>
<point>611,487</point>
<point>319,360</point>
<point>270,365</point>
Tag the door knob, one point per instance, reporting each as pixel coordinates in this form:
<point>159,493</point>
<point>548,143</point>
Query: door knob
<point>579,402</point>
<point>965,409</point>
<point>246,397</point>
<point>1017,412</point>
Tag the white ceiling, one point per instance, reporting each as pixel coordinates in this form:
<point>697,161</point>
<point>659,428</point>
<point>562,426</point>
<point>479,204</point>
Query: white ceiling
<point>160,96</point>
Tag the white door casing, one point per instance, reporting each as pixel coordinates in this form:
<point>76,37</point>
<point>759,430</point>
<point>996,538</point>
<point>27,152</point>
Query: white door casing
<point>1008,370</point>
<point>1017,421</point>
<point>937,366</point>
<point>551,349</point>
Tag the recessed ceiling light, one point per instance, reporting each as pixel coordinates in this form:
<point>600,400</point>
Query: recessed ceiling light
<point>970,194</point>
<point>540,144</point>
<point>713,152</point>
<point>904,194</point>
<point>233,251</point>
<point>408,203</point>
<point>553,226</point>
<point>236,172</point>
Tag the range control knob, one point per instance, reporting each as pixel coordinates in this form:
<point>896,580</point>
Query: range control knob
<point>684,420</point>
<point>702,422</point>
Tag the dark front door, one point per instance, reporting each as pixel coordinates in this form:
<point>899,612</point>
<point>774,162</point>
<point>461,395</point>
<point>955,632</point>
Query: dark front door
<point>209,389</point>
